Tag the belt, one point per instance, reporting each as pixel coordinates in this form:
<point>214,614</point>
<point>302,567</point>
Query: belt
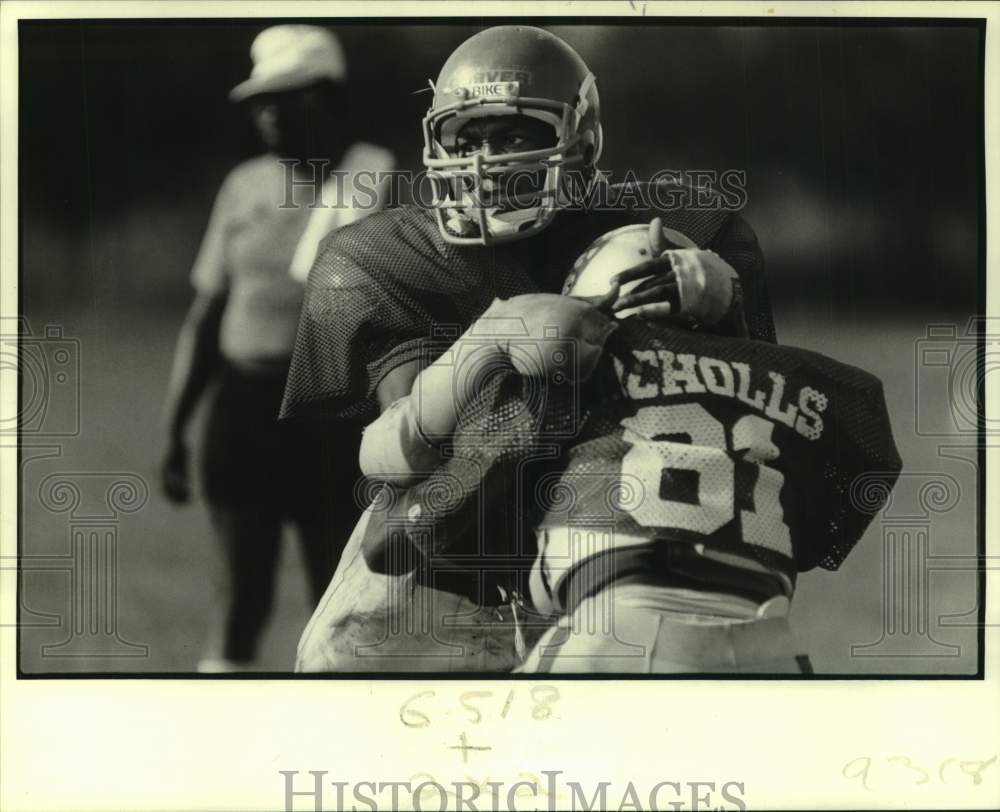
<point>592,558</point>
<point>708,605</point>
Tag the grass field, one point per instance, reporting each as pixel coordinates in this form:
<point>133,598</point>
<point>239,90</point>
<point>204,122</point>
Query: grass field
<point>167,564</point>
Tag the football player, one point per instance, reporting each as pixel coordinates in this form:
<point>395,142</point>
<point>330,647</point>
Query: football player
<point>711,470</point>
<point>511,103</point>
<point>707,471</point>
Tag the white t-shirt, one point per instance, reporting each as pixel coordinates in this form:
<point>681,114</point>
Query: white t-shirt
<point>262,238</point>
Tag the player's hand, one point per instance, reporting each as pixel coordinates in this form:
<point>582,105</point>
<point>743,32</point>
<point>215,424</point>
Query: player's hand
<point>530,329</point>
<point>690,282</point>
<point>174,476</point>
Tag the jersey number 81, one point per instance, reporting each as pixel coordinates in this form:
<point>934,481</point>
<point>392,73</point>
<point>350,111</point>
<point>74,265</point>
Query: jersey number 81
<point>711,458</point>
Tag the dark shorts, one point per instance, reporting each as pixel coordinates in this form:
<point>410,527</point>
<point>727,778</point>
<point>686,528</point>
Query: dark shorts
<point>300,467</point>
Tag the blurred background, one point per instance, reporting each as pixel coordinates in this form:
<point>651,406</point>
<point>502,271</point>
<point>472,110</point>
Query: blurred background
<point>863,147</point>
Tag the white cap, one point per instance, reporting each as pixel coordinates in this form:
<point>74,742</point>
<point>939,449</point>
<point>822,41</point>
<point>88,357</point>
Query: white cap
<point>287,57</point>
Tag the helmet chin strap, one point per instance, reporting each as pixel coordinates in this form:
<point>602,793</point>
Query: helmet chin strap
<point>507,221</point>
<point>499,222</point>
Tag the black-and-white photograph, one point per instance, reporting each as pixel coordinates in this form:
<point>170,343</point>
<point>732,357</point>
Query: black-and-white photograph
<point>608,347</point>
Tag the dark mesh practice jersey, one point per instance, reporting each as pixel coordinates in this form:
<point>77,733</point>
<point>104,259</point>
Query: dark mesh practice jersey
<point>744,449</point>
<point>382,287</point>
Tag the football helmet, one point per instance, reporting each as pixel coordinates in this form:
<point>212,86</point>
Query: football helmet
<point>503,71</point>
<point>593,273</point>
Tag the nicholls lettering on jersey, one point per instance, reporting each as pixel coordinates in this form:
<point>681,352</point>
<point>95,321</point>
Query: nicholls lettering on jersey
<point>660,373</point>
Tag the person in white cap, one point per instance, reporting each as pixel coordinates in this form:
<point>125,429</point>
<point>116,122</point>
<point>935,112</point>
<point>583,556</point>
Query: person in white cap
<point>249,280</point>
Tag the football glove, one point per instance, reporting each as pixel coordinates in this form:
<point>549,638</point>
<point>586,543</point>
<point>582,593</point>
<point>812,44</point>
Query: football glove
<point>694,283</point>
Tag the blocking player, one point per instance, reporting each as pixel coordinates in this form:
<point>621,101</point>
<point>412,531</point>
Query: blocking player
<point>510,102</point>
<point>708,471</point>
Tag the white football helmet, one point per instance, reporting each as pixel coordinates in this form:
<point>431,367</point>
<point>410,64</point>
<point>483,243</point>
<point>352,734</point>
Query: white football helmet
<point>594,271</point>
<point>505,71</point>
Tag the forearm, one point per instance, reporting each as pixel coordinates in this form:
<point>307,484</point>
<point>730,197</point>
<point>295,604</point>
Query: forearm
<point>401,446</point>
<point>444,390</point>
<point>410,430</point>
<point>196,361</point>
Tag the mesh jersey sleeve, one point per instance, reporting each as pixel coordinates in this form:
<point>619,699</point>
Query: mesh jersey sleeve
<point>737,243</point>
<point>354,329</point>
<point>473,504</point>
<point>860,468</point>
